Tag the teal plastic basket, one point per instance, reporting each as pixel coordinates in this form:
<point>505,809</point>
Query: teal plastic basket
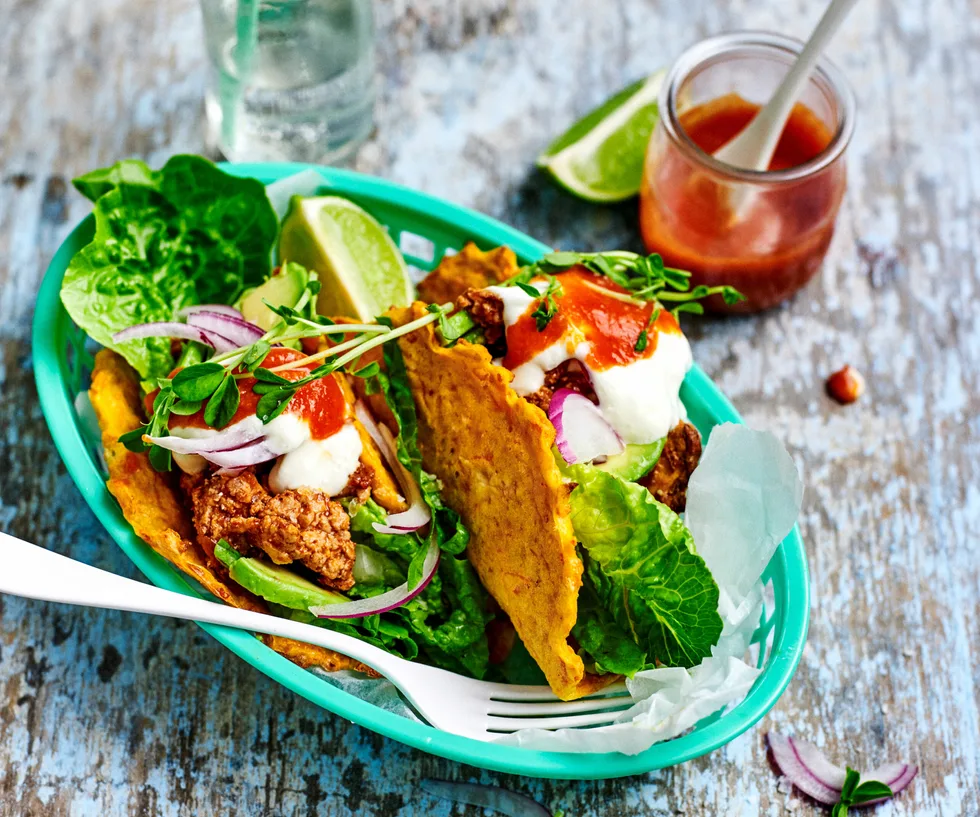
<point>425,227</point>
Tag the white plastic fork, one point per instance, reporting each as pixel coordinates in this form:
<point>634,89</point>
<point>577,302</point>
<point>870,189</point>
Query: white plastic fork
<point>475,709</point>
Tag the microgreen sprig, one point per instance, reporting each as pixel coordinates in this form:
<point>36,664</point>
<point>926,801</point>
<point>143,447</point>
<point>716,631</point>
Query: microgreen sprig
<point>213,385</point>
<point>643,339</point>
<point>855,792</point>
<point>646,278</point>
<point>452,327</point>
<point>547,305</point>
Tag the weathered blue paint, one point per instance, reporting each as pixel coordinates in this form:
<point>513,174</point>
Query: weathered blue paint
<point>106,714</point>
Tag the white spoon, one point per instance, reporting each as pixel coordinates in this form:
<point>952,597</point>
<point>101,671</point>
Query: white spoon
<point>754,146</point>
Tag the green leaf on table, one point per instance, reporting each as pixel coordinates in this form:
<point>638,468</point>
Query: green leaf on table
<point>851,779</point>
<point>871,790</point>
<point>854,794</point>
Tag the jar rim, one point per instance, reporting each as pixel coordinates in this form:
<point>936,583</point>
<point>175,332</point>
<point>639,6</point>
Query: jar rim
<point>761,42</point>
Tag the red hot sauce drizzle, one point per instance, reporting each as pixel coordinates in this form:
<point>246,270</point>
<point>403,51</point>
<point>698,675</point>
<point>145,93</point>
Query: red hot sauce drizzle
<point>610,324</point>
<point>321,404</point>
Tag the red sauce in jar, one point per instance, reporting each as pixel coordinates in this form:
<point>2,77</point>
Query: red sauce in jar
<point>610,325</point>
<point>321,403</point>
<point>776,242</point>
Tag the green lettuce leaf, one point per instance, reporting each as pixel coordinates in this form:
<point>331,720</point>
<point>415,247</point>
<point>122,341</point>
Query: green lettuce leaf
<point>96,183</point>
<point>518,668</point>
<point>393,382</point>
<point>188,233</point>
<point>448,619</point>
<point>644,573</point>
<point>362,519</point>
<point>609,647</point>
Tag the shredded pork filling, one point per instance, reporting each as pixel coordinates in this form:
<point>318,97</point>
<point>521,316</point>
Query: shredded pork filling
<point>487,311</point>
<point>301,525</point>
<point>669,477</point>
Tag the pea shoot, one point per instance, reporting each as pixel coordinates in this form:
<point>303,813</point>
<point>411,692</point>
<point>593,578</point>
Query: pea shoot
<point>213,384</point>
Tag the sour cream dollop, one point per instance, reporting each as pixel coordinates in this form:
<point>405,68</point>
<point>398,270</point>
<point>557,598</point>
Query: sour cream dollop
<point>596,323</point>
<point>325,464</point>
<point>320,445</point>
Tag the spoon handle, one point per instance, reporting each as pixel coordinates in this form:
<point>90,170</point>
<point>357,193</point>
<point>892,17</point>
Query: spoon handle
<point>753,148</point>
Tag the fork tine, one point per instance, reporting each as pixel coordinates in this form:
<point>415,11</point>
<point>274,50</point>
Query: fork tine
<point>495,724</point>
<point>558,708</point>
<point>516,692</point>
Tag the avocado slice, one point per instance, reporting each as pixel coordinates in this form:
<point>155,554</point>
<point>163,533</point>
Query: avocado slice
<point>274,583</point>
<point>635,461</point>
<point>285,288</point>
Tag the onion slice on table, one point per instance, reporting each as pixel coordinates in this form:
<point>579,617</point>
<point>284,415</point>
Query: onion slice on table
<point>896,776</point>
<point>386,601</point>
<point>493,797</point>
<point>175,329</point>
<point>581,432</point>
<point>812,773</point>
<point>236,329</point>
<point>418,514</point>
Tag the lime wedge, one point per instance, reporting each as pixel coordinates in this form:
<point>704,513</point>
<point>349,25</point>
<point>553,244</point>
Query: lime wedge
<point>361,270</point>
<point>600,158</point>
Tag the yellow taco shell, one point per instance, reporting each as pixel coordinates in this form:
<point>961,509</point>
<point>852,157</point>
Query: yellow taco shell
<point>492,451</point>
<point>151,503</point>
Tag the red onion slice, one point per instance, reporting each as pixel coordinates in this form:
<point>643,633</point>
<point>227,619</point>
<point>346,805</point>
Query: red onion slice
<point>251,454</point>
<point>493,797</point>
<point>237,446</point>
<point>581,432</point>
<point>174,329</point>
<point>809,770</point>
<point>221,309</point>
<point>230,438</point>
<point>236,329</point>
<point>415,517</point>
<point>418,514</point>
<point>386,601</point>
<point>896,776</point>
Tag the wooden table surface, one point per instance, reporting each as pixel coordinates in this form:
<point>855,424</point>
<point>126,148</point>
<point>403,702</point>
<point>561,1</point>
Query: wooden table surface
<point>111,714</point>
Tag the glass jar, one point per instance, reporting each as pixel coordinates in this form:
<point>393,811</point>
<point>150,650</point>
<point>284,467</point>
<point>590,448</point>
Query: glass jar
<point>290,80</point>
<point>763,232</point>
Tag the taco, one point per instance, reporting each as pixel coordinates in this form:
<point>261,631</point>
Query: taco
<point>314,527</point>
<point>232,437</point>
<point>549,407</point>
